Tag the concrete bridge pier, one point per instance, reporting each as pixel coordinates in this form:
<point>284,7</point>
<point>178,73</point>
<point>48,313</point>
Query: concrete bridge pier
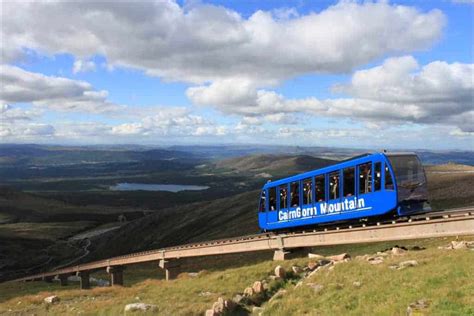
<point>116,275</point>
<point>84,279</point>
<point>63,279</point>
<point>172,268</point>
<point>285,254</point>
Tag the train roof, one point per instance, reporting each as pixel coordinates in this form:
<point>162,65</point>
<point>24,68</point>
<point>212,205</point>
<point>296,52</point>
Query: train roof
<point>335,166</point>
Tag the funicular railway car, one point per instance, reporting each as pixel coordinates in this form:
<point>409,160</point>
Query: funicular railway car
<point>362,188</point>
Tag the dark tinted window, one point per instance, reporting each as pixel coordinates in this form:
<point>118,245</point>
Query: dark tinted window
<point>349,181</point>
<point>388,179</point>
<point>365,178</point>
<point>262,202</point>
<point>408,170</point>
<point>378,176</point>
<point>307,191</point>
<point>295,194</point>
<point>320,188</point>
<point>283,197</point>
<point>273,201</point>
<point>334,185</point>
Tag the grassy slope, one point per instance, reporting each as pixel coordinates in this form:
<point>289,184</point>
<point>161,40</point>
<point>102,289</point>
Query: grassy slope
<point>444,277</point>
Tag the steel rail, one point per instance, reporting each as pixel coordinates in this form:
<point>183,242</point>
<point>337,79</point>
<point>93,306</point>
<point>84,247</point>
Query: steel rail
<point>454,222</point>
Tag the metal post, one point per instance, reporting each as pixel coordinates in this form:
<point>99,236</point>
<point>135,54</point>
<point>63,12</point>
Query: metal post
<point>84,279</point>
<point>172,268</point>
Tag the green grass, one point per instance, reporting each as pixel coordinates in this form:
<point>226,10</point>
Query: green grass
<point>49,231</point>
<point>443,277</point>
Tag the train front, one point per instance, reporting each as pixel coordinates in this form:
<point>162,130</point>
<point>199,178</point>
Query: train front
<point>411,183</point>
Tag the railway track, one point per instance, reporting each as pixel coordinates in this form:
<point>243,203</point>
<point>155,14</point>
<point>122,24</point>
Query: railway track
<point>435,224</point>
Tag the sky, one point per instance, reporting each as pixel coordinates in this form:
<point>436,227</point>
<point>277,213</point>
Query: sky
<point>365,74</point>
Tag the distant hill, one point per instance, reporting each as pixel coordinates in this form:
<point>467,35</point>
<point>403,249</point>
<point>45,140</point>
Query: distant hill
<point>227,217</point>
<point>273,164</point>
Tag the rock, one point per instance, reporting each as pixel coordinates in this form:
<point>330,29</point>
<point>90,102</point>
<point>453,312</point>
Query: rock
<point>316,287</point>
<point>249,291</point>
<point>237,299</point>
<point>406,264</point>
<point>296,269</point>
<point>257,287</point>
<point>417,307</point>
<point>393,267</point>
<point>397,251</point>
<point>193,274</point>
<point>364,257</point>
<point>357,284</point>
<point>340,257</point>
<point>375,260</point>
<point>205,294</point>
<point>315,256</point>
<point>277,295</point>
<point>219,306</point>
<point>52,299</point>
<point>211,312</point>
<point>312,265</point>
<point>280,272</point>
<point>324,262</point>
<point>134,307</point>
<point>458,245</point>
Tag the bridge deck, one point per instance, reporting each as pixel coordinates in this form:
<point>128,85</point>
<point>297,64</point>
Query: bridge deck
<point>451,223</point>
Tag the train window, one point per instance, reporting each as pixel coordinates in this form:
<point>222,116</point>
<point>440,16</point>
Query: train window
<point>272,203</point>
<point>349,181</point>
<point>307,191</point>
<point>295,194</point>
<point>388,179</point>
<point>283,196</point>
<point>262,202</point>
<point>365,178</point>
<point>334,185</point>
<point>320,188</point>
<point>378,176</point>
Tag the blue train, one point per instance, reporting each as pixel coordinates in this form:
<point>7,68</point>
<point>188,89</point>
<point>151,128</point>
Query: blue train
<point>369,186</point>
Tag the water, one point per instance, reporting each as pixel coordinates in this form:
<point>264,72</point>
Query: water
<point>156,187</point>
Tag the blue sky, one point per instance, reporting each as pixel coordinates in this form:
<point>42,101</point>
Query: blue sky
<point>316,73</point>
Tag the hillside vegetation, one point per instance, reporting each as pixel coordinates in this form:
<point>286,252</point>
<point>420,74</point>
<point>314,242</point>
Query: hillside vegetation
<point>442,278</point>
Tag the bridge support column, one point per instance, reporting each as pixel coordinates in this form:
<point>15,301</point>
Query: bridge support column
<point>84,279</point>
<point>63,279</point>
<point>172,268</point>
<point>116,275</point>
<point>48,279</point>
<point>280,255</point>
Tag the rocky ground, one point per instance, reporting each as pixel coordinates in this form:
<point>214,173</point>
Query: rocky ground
<point>415,277</point>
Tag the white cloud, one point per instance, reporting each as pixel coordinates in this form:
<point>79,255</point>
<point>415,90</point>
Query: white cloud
<point>205,42</point>
<point>55,93</point>
<point>83,66</point>
<point>399,91</point>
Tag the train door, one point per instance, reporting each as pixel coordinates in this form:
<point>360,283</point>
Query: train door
<point>262,208</point>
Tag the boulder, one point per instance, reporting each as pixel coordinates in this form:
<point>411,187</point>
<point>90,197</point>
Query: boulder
<point>312,265</point>
<point>417,307</point>
<point>406,264</point>
<point>296,269</point>
<point>237,299</point>
<point>280,272</point>
<point>357,284</point>
<point>219,306</point>
<point>375,260</point>
<point>249,291</point>
<point>135,307</point>
<point>339,257</point>
<point>211,312</point>
<point>396,251</point>
<point>53,299</point>
<point>314,272</point>
<point>257,287</point>
<point>315,256</point>
<point>458,244</point>
<point>324,262</point>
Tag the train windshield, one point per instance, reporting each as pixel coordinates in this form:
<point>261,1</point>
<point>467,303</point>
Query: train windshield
<point>408,171</point>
